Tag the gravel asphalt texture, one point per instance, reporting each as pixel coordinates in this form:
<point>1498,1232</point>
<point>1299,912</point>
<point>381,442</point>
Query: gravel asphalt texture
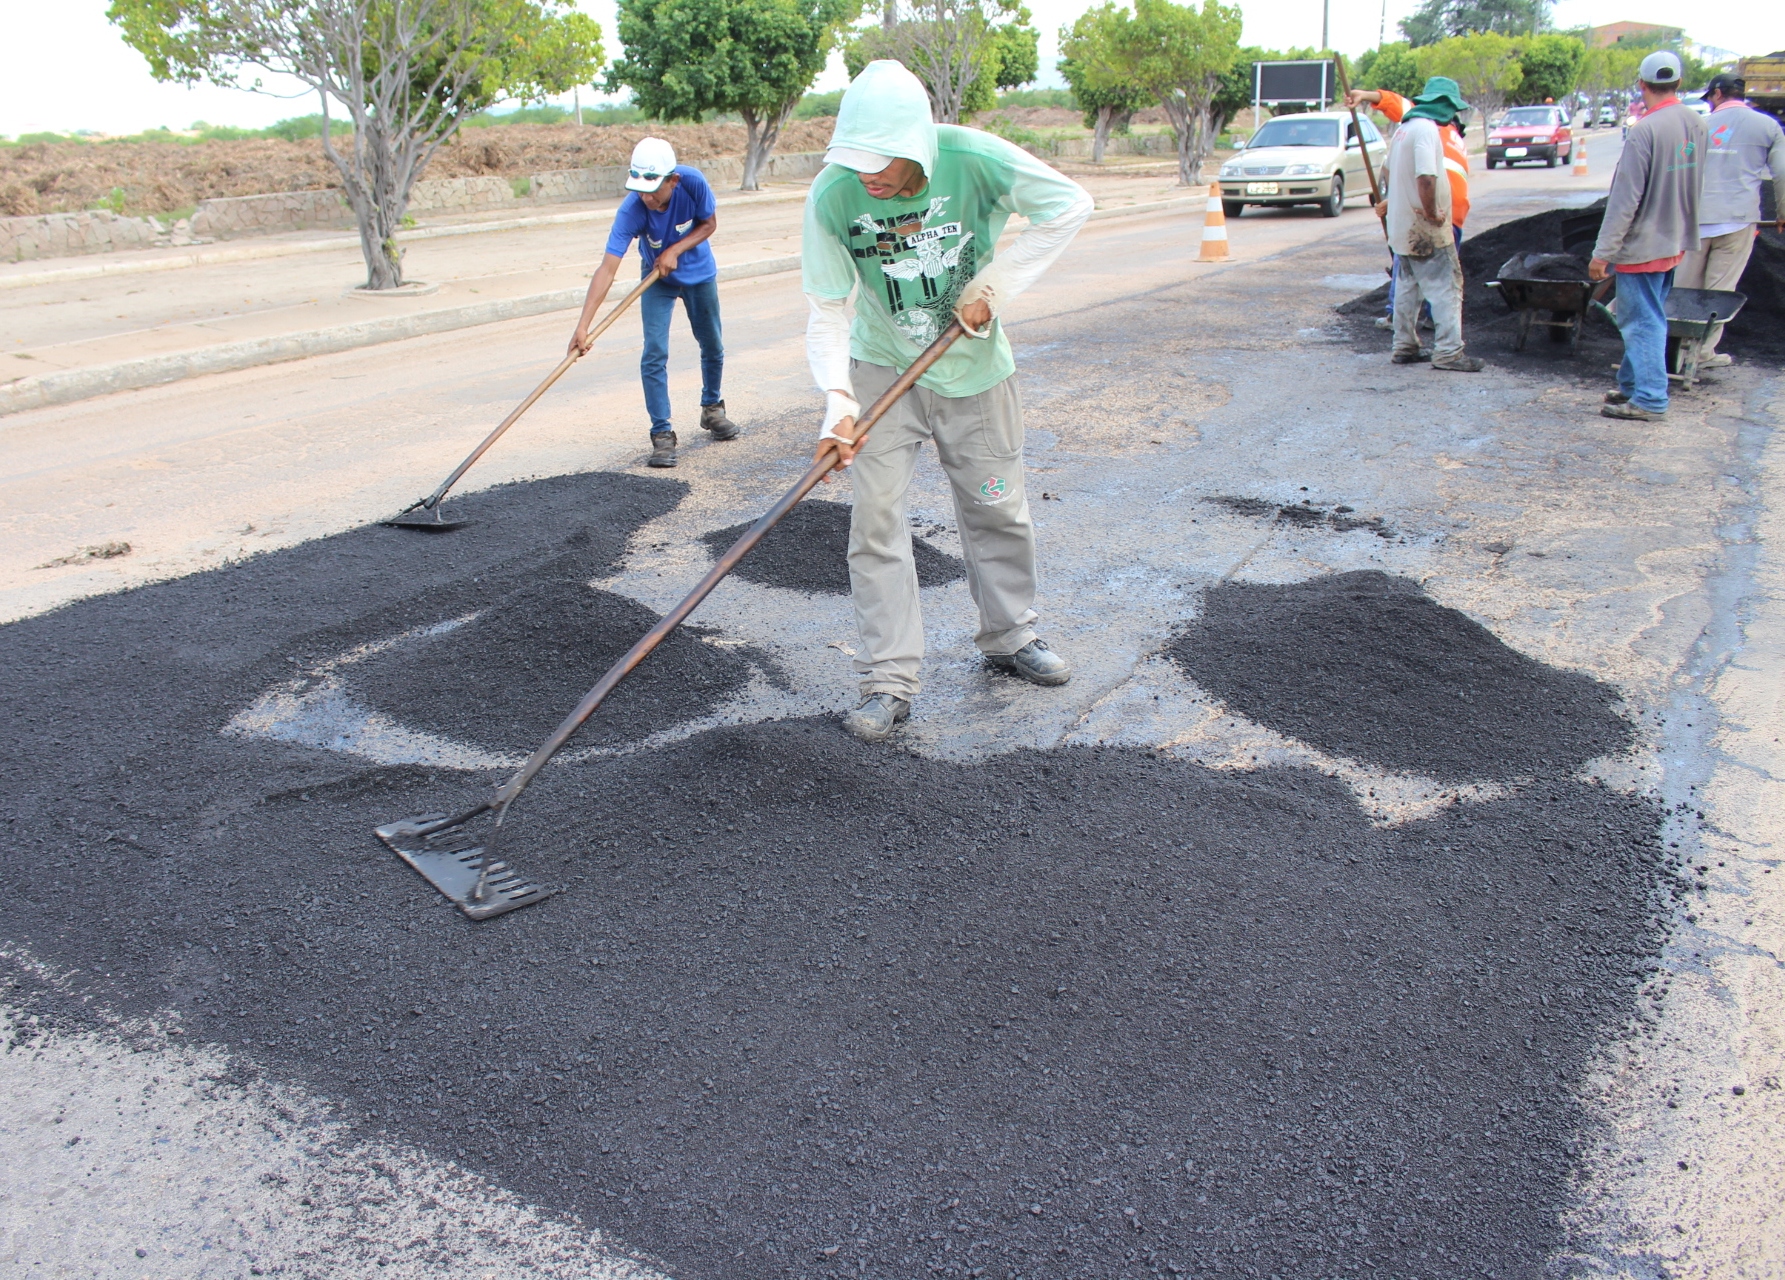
<point>809,551</point>
<point>808,1008</point>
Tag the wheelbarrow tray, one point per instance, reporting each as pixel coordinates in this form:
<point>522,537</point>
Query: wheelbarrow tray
<point>1565,300</point>
<point>1691,315</point>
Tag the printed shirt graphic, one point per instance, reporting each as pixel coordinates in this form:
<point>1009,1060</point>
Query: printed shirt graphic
<point>691,202</point>
<point>912,257</point>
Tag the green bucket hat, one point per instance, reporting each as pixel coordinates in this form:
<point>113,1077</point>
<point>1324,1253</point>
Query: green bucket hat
<point>1440,100</point>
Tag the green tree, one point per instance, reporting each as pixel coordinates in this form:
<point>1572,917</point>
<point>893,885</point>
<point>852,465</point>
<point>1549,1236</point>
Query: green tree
<point>1437,20</point>
<point>1551,66</point>
<point>755,57</point>
<point>1394,67</point>
<point>406,72</point>
<point>1093,67</point>
<point>1179,53</point>
<point>1485,66</point>
<point>963,51</point>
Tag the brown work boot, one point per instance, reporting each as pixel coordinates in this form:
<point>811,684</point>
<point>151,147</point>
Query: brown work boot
<point>1616,397</point>
<point>663,449</point>
<point>1459,363</point>
<point>713,419</point>
<point>1418,356</point>
<point>1633,412</point>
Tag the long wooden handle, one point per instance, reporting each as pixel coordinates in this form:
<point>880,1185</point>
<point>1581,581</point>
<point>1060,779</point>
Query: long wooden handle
<point>433,499</point>
<point>1362,146</point>
<point>725,564</point>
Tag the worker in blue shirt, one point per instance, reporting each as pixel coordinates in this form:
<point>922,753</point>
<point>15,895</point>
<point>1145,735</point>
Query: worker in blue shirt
<point>670,212</point>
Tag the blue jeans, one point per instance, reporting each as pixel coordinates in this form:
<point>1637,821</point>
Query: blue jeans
<point>701,301</point>
<point>1642,320</point>
<point>1394,276</point>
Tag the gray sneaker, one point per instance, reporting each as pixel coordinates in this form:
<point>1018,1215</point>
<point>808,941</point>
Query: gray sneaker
<point>1034,662</point>
<point>663,450</point>
<point>878,715</point>
<point>714,421</point>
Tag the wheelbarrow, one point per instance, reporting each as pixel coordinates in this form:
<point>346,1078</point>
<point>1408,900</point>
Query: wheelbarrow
<point>1565,300</point>
<point>1691,315</point>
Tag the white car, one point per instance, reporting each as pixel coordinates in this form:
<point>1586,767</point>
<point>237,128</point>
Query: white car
<point>1300,160</point>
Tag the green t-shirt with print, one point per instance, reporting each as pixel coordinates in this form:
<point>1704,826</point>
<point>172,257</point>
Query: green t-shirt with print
<point>912,256</point>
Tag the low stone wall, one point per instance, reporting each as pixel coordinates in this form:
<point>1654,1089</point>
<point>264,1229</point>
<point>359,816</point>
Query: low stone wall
<point>65,235</point>
<point>462,195</point>
<point>231,216</point>
<point>1142,144</point>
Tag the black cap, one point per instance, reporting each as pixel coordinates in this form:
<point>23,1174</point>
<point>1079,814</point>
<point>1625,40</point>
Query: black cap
<point>1727,85</point>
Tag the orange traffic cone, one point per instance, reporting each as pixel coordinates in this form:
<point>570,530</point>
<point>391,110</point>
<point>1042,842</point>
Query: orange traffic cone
<point>1580,158</point>
<point>1214,228</point>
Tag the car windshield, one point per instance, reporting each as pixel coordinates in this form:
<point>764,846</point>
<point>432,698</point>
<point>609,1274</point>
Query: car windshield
<point>1526,117</point>
<point>1290,132</point>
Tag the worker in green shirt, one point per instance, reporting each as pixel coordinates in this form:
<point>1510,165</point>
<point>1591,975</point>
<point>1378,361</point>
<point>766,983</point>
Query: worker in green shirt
<point>906,216</point>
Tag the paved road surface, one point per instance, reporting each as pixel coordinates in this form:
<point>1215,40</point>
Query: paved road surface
<point>1175,408</point>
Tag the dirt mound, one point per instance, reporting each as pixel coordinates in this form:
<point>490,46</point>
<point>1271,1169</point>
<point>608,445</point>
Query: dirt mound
<point>809,551</point>
<point>1369,667</point>
<point>166,177</point>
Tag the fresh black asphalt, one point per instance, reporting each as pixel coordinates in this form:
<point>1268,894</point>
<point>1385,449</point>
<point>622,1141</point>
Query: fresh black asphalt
<point>807,1008</point>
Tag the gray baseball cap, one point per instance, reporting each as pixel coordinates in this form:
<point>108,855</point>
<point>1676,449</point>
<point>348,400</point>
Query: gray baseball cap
<point>1661,67</point>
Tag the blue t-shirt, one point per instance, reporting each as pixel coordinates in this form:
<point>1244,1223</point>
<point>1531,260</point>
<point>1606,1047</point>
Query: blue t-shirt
<point>691,202</point>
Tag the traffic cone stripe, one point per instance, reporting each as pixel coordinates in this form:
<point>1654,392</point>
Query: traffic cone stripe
<point>1214,228</point>
<point>1580,159</point>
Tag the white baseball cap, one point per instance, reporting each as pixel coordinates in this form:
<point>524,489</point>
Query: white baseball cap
<point>653,160</point>
<point>860,161</point>
<point>1661,68</point>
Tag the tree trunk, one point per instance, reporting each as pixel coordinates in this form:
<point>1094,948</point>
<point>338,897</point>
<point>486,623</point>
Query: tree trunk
<point>377,186</point>
<point>1189,163</point>
<point>1101,135</point>
<point>761,134</point>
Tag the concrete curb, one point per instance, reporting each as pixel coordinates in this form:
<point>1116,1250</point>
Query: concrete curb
<point>70,385</point>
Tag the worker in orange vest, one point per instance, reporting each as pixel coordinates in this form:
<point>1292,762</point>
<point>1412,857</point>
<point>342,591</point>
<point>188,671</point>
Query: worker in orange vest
<point>1456,166</point>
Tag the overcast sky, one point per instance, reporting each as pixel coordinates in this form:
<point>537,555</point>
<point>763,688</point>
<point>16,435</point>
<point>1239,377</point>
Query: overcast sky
<point>63,67</point>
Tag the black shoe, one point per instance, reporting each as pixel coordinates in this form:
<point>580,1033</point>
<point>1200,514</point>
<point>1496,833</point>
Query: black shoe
<point>663,450</point>
<point>713,419</point>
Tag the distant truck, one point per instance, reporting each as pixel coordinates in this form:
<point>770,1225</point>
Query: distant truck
<point>1766,82</point>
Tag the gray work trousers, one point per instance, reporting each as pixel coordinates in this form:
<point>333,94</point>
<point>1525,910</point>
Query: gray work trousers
<point>1437,279</point>
<point>1717,263</point>
<point>979,441</point>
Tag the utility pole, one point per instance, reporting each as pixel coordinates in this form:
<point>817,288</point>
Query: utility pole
<point>1382,31</point>
<point>1326,13</point>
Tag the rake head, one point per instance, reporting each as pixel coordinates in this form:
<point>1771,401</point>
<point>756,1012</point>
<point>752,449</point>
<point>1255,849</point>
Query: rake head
<point>461,866</point>
<point>427,519</point>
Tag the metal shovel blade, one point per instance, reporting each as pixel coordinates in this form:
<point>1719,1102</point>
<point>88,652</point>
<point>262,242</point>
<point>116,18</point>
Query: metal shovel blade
<point>451,861</point>
<point>428,520</point>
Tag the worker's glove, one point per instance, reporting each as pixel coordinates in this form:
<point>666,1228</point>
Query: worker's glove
<point>837,406</point>
<point>984,287</point>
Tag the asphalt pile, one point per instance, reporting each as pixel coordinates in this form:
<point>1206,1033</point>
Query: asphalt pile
<point>1756,335</point>
<point>1367,666</point>
<point>809,551</point>
<point>1544,266</point>
<point>811,1009</point>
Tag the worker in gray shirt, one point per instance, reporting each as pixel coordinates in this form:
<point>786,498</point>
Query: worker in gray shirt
<point>1746,148</point>
<point>1651,221</point>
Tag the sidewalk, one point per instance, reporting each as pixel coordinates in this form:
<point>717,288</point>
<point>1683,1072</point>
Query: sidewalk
<point>69,333</point>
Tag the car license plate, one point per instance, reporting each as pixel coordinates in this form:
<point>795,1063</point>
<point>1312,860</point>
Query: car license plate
<point>1515,151</point>
<point>1261,188</point>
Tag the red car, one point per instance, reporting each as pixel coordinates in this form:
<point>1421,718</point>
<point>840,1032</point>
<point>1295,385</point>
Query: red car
<point>1524,134</point>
